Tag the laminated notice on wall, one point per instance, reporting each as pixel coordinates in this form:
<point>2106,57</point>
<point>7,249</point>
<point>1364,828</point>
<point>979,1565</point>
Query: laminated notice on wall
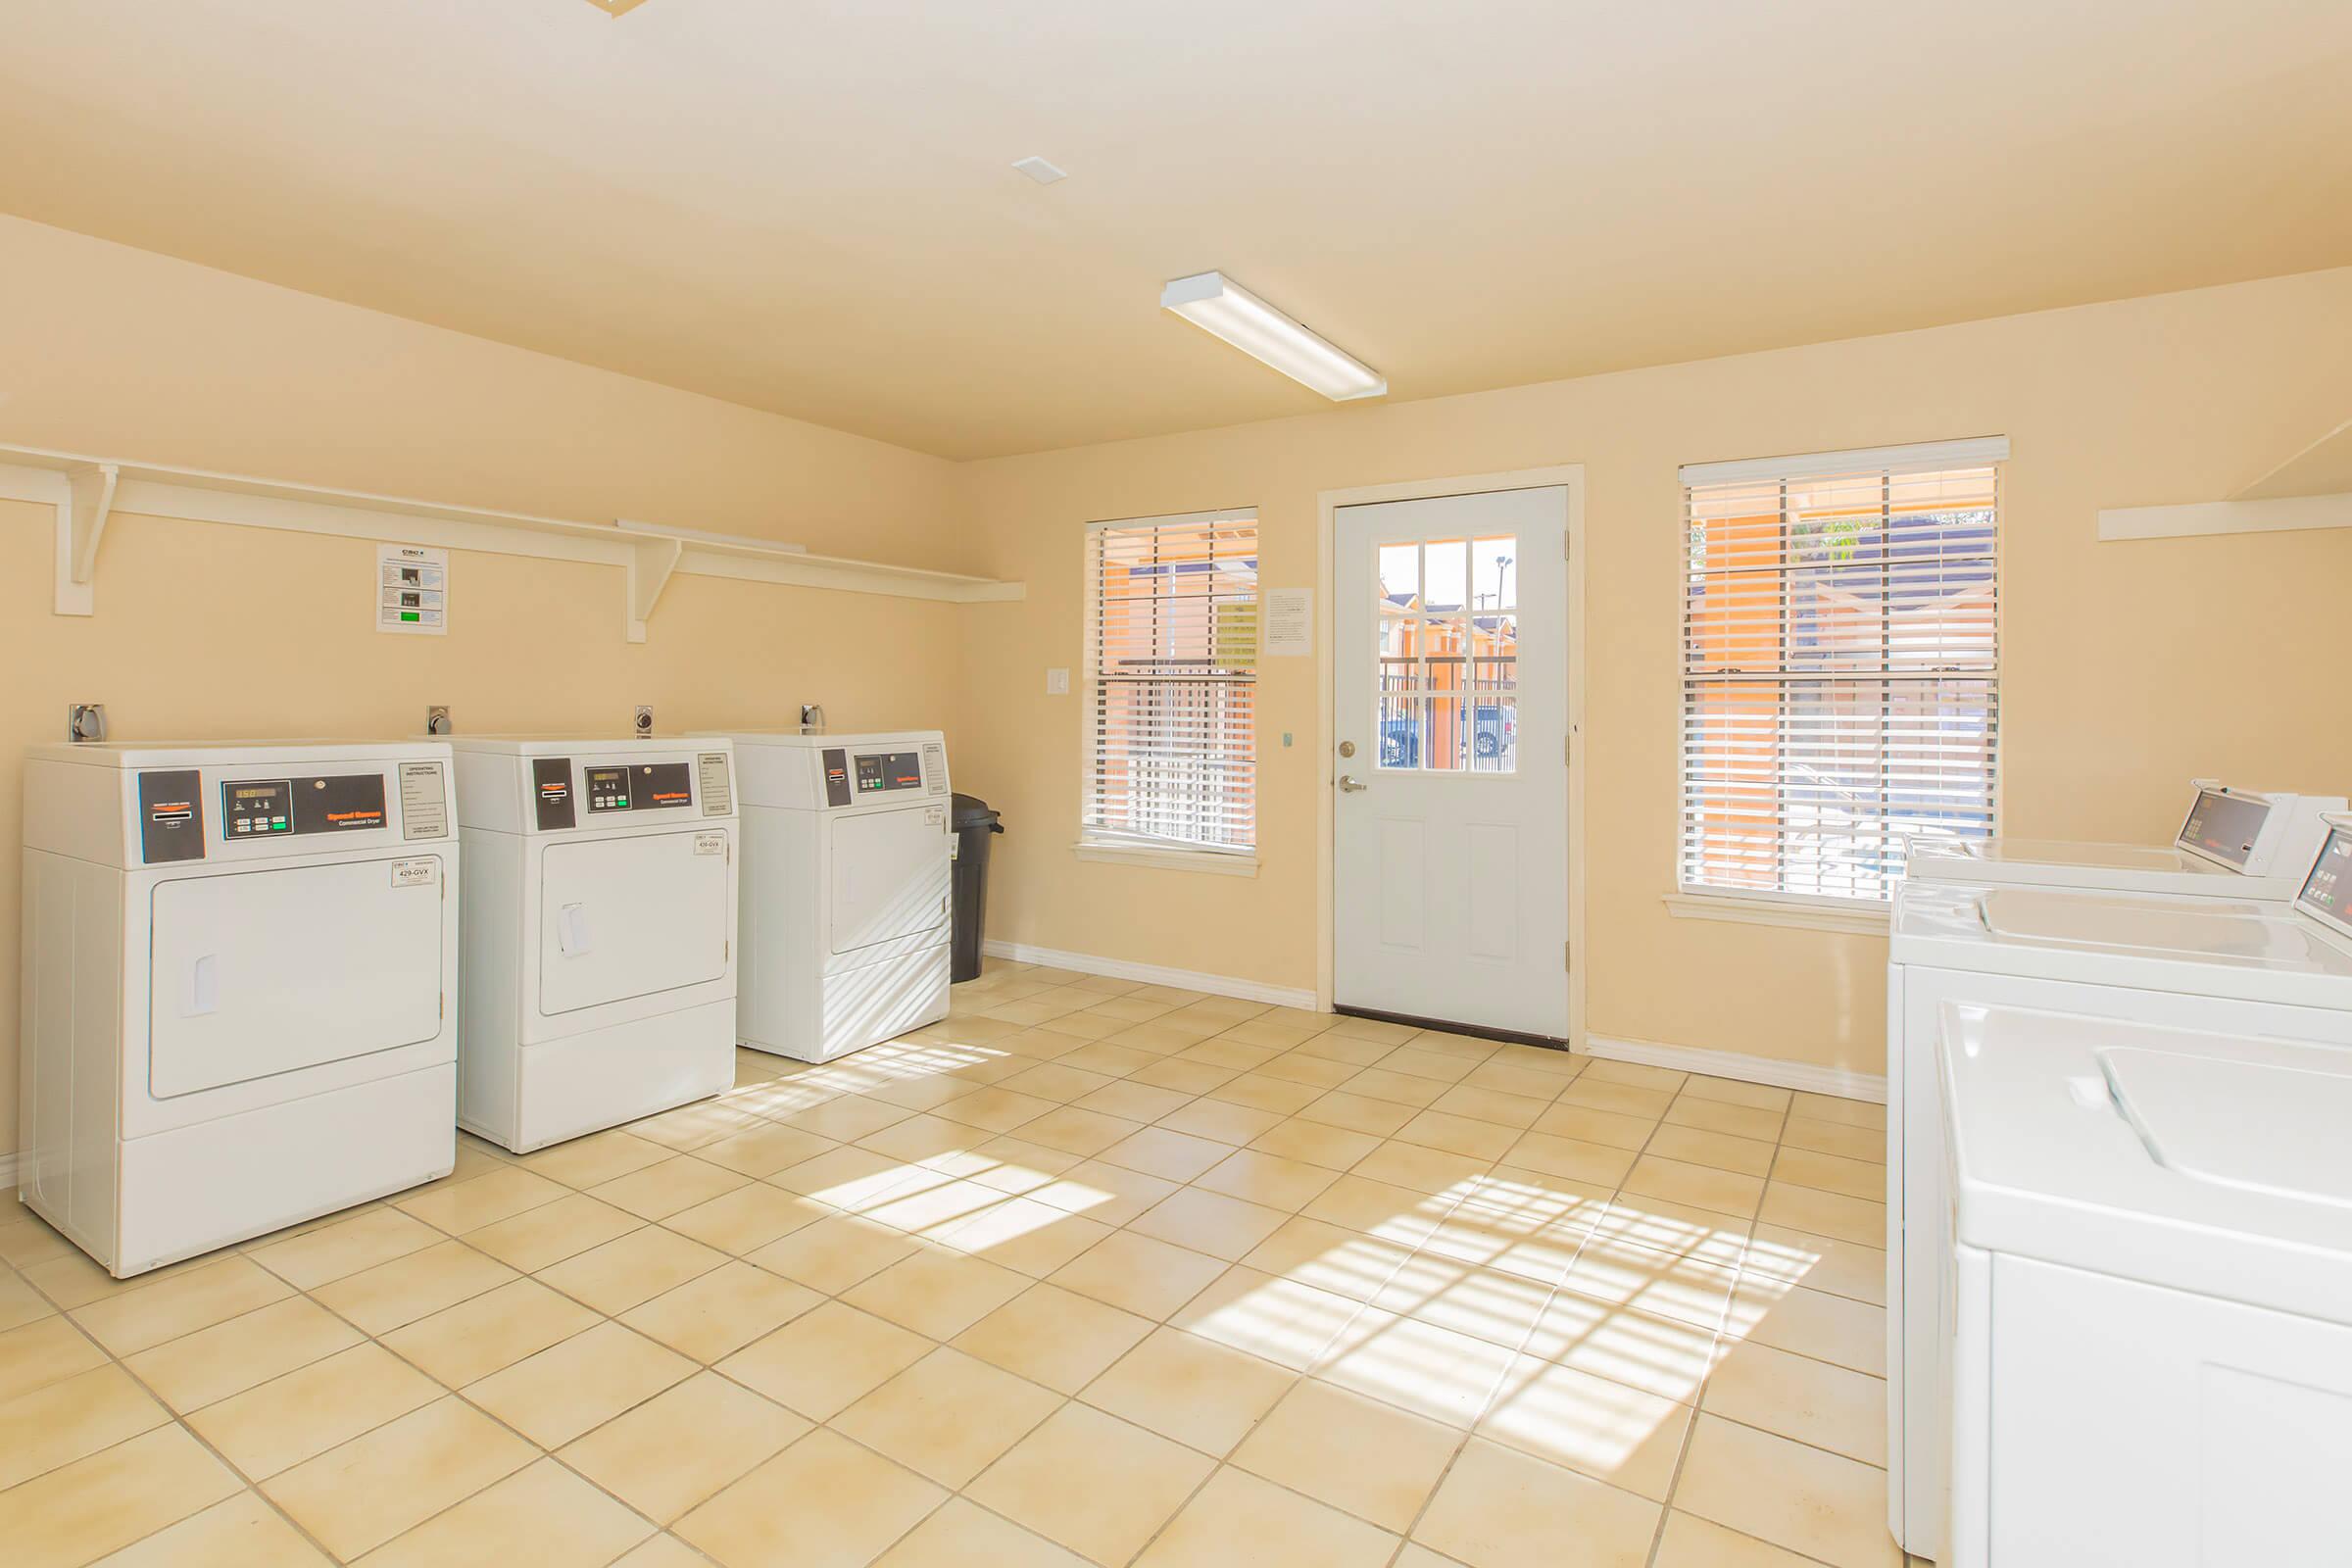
<point>1289,625</point>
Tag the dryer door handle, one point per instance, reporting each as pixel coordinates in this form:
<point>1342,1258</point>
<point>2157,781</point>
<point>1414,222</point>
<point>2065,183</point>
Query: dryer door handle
<point>203,986</point>
<point>572,930</point>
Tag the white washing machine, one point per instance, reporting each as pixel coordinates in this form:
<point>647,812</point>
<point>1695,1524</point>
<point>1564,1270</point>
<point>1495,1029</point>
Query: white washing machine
<point>2232,844</point>
<point>239,968</point>
<point>599,949</point>
<point>2149,1357</point>
<point>846,881</point>
<point>2229,966</point>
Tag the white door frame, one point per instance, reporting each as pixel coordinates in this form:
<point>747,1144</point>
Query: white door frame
<point>1570,477</point>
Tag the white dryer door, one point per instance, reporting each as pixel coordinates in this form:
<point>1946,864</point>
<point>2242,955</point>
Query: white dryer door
<point>629,917</point>
<point>890,875</point>
<point>261,972</point>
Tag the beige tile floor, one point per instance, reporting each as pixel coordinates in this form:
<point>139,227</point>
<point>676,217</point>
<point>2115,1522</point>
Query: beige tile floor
<point>1092,1272</point>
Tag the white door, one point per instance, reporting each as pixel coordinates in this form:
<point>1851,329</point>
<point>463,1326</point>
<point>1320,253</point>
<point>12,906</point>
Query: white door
<point>262,972</point>
<point>890,875</point>
<point>1450,712</point>
<point>631,916</point>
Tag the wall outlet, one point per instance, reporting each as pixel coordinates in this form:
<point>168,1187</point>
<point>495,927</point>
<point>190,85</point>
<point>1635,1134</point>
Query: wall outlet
<point>1058,683</point>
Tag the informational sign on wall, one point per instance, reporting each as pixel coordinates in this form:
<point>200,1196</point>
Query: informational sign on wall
<point>1290,629</point>
<point>412,589</point>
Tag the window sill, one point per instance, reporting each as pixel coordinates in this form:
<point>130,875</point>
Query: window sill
<point>1208,860</point>
<point>1751,910</point>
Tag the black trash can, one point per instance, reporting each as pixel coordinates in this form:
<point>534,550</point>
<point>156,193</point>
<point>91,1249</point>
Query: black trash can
<point>974,823</point>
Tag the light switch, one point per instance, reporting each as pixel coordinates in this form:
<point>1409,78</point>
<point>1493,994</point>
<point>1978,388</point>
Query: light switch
<point>1058,683</point>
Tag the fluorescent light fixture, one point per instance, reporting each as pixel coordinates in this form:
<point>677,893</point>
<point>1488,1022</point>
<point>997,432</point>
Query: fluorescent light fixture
<point>1042,169</point>
<point>1222,308</point>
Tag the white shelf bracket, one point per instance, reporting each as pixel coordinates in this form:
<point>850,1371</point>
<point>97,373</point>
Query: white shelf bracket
<point>82,519</point>
<point>651,563</point>
<point>2312,489</point>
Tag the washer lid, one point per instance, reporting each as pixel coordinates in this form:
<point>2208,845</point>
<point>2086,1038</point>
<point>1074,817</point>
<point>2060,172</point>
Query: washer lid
<point>2026,853</point>
<point>2206,1162</point>
<point>2183,928</point>
<point>2233,948</point>
<point>2256,1126</point>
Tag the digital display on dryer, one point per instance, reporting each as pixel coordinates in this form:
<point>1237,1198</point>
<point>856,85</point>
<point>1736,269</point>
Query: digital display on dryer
<point>889,770</point>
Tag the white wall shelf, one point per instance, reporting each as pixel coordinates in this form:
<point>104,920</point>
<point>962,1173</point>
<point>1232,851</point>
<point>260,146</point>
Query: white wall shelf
<point>87,491</point>
<point>2311,489</point>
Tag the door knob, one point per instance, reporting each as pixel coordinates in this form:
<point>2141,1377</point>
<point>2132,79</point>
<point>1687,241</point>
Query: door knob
<point>1349,786</point>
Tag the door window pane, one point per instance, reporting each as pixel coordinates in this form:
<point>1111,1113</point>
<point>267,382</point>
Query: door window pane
<point>1493,574</point>
<point>1399,731</point>
<point>1445,736</point>
<point>1447,584</point>
<point>1399,576</point>
<point>1494,652</point>
<point>1494,734</point>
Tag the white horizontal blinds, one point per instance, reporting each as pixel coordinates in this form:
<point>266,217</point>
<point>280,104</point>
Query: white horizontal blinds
<point>1171,671</point>
<point>1840,673</point>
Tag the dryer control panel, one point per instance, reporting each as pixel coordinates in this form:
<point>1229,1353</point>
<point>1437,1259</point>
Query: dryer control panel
<point>190,813</point>
<point>570,791</point>
<point>853,775</point>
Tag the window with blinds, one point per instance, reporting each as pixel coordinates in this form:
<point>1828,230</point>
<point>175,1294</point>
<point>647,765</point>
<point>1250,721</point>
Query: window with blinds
<point>1171,671</point>
<point>1840,667</point>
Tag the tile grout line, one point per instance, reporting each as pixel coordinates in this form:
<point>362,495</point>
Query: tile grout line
<point>921,1239</point>
<point>1682,1456</point>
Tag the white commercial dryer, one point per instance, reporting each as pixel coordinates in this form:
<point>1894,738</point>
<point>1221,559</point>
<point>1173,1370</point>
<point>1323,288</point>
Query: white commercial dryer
<point>846,882</point>
<point>2232,844</point>
<point>2149,1264</point>
<point>239,968</point>
<point>2224,966</point>
<point>599,949</point>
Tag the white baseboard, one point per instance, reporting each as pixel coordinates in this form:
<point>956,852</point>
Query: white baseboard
<point>1216,985</point>
<point>1766,1070</point>
<point>8,1174</point>
<point>1770,1070</point>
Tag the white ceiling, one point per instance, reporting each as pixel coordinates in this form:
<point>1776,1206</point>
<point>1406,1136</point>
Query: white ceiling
<point>810,208</point>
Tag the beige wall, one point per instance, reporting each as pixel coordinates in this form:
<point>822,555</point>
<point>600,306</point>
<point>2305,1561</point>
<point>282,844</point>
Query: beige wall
<point>2176,398</point>
<point>116,352</point>
<point>215,632</point>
